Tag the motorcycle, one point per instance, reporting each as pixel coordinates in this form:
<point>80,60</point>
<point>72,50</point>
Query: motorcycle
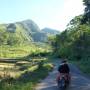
<point>63,81</point>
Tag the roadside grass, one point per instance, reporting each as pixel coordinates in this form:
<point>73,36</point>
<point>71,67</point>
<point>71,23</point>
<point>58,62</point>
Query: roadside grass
<point>84,65</point>
<point>28,76</point>
<point>25,73</point>
<point>15,69</point>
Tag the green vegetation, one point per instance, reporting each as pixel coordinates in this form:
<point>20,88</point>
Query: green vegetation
<point>86,16</point>
<point>74,42</point>
<point>22,61</point>
<point>83,65</point>
<point>21,33</point>
<point>32,65</point>
<point>20,51</point>
<point>27,76</point>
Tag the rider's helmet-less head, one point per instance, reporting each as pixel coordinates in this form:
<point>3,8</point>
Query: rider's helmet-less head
<point>64,61</point>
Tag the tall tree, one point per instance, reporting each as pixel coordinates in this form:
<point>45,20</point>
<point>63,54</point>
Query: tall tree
<point>86,16</point>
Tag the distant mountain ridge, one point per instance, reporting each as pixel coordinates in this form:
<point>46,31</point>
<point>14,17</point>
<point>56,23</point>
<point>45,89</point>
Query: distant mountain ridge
<point>29,25</point>
<point>50,31</point>
<point>24,31</point>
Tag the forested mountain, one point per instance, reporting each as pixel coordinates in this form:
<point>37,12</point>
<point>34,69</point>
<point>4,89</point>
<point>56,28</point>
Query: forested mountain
<point>22,32</point>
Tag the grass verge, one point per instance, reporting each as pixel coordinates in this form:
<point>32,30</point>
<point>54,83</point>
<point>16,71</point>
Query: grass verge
<point>27,80</point>
<point>84,65</point>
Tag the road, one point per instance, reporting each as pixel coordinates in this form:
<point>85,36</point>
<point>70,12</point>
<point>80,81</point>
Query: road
<point>78,80</point>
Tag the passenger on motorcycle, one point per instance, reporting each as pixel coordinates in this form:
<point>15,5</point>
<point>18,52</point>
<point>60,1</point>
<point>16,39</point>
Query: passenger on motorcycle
<point>64,69</point>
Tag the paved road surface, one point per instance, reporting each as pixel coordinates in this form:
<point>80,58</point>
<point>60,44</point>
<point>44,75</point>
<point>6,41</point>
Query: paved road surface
<point>78,81</point>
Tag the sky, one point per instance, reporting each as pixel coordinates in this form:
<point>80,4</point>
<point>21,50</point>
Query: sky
<point>54,14</point>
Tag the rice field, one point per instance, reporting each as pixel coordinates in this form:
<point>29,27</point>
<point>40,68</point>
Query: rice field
<point>21,51</point>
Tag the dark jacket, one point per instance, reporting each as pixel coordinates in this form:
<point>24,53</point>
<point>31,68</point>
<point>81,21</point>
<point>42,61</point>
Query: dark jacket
<point>64,68</point>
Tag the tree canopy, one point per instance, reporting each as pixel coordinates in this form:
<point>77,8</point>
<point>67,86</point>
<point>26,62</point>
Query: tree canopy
<point>74,42</point>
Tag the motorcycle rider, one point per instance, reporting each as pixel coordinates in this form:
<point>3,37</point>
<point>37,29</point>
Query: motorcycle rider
<point>64,69</point>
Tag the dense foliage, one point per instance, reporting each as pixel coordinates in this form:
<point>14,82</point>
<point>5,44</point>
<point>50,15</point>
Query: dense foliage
<point>74,42</point>
<point>86,16</point>
<point>11,36</point>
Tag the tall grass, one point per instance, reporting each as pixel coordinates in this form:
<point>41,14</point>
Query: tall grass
<point>28,79</point>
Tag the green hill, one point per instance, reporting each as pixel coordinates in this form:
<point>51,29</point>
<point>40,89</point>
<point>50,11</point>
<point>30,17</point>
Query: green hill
<point>23,32</point>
